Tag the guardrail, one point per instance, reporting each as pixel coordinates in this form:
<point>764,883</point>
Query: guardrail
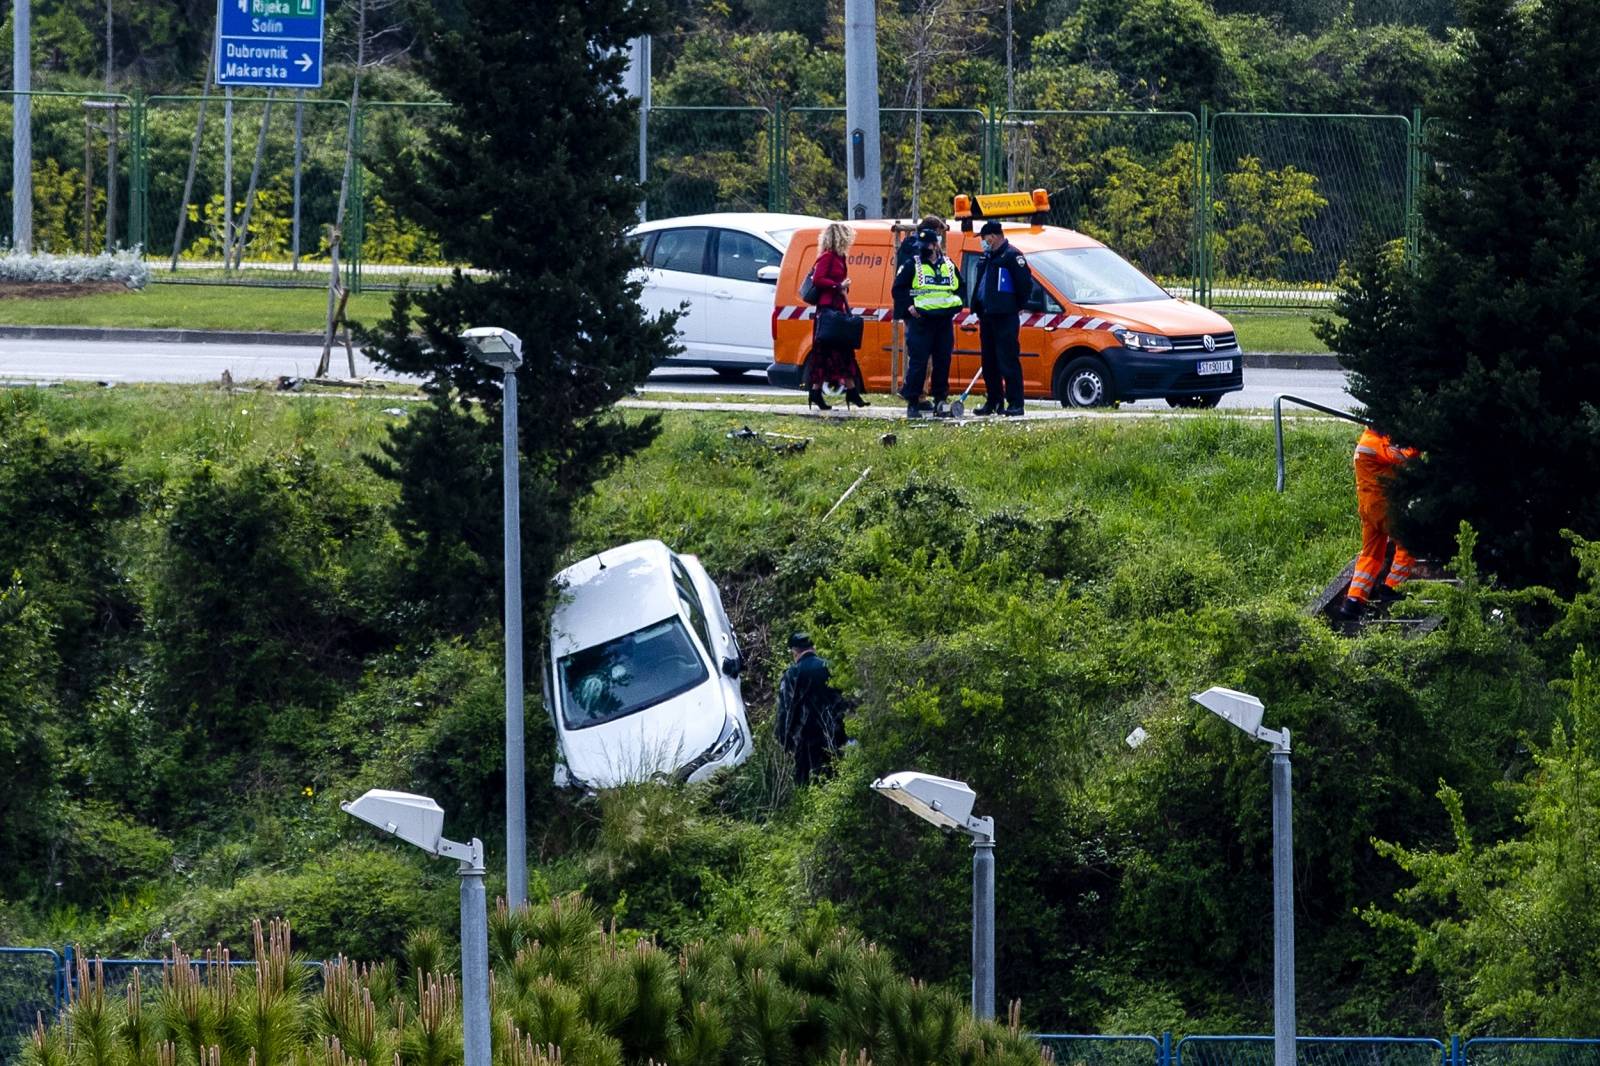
<point>1277,424</point>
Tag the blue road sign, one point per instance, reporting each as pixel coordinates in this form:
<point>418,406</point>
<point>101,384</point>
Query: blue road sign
<point>274,43</point>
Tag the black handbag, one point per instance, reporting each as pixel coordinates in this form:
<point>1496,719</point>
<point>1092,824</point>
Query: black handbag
<point>839,329</point>
<point>808,290</point>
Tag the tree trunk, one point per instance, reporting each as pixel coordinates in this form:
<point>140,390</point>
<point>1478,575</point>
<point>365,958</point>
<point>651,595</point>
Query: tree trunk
<point>335,305</point>
<point>194,155</point>
<point>255,176</point>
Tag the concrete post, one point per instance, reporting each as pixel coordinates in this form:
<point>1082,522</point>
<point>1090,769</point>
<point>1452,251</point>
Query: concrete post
<point>22,127</point>
<point>983,927</point>
<point>474,961</point>
<point>1283,1020</point>
<point>516,804</point>
<point>863,145</point>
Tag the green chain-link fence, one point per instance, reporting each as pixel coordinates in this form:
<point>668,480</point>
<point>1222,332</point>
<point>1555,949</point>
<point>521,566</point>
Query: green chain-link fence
<point>281,212</point>
<point>1127,178</point>
<point>1243,211</point>
<point>1286,197</point>
<point>80,140</point>
<point>954,148</point>
<point>385,248</point>
<point>705,159</point>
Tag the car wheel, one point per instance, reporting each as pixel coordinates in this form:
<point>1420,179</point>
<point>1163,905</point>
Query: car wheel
<point>1085,382</point>
<point>730,373</point>
<point>1194,401</point>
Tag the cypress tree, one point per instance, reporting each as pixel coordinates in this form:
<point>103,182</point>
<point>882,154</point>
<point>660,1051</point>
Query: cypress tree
<point>530,179</point>
<point>1482,351</point>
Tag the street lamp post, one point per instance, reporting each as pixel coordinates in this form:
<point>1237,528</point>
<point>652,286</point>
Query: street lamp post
<point>948,805</point>
<point>1243,711</point>
<point>418,820</point>
<point>501,348</point>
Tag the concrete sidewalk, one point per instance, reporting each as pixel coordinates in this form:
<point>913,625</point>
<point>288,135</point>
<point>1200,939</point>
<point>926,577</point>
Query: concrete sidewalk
<point>1262,360</point>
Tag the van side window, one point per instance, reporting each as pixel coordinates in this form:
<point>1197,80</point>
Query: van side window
<point>1040,300</point>
<point>683,250</point>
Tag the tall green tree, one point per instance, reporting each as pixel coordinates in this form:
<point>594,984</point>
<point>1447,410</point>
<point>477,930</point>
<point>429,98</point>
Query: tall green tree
<point>1491,368</point>
<point>530,182</point>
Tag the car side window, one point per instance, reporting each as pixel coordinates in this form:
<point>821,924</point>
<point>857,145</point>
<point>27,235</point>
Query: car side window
<point>681,249</point>
<point>740,256</point>
<point>646,243</point>
<point>691,604</point>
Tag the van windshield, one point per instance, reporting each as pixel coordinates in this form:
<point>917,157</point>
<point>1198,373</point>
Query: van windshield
<point>1094,276</point>
<point>628,674</point>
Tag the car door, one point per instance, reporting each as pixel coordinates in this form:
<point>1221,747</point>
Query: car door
<point>1031,339</point>
<point>677,279</point>
<point>738,326</point>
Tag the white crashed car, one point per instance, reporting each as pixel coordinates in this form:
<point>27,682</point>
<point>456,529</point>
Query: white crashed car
<point>642,679</point>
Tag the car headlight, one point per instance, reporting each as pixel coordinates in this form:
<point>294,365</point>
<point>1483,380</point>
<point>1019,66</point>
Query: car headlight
<point>727,741</point>
<point>1141,342</point>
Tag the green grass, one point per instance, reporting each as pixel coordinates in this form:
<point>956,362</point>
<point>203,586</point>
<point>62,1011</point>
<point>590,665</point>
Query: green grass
<point>193,307</point>
<point>1275,333</point>
<point>1201,484</point>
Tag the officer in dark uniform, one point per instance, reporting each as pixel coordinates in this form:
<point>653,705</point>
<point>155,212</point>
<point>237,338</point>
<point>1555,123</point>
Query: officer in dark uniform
<point>1001,291</point>
<point>810,719</point>
<point>927,294</point>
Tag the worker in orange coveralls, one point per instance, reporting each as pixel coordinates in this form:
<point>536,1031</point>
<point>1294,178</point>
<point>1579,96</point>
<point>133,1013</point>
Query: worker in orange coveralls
<point>1375,460</point>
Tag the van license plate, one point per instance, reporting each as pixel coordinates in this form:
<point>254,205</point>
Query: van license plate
<point>1214,366</point>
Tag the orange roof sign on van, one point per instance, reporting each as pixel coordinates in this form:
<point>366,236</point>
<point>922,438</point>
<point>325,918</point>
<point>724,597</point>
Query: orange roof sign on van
<point>1002,205</point>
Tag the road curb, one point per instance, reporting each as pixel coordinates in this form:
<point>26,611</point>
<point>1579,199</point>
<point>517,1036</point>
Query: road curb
<point>1258,360</point>
<point>157,336</point>
<point>1292,361</point>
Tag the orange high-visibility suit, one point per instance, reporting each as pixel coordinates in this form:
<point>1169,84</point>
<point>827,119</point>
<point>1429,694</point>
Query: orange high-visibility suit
<point>1375,460</point>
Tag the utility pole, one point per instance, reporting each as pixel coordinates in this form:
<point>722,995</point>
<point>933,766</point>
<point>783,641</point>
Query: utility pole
<point>111,141</point>
<point>22,127</point>
<point>639,87</point>
<point>863,146</point>
<point>1011,104</point>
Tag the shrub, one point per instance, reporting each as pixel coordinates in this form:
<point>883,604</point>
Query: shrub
<point>126,266</point>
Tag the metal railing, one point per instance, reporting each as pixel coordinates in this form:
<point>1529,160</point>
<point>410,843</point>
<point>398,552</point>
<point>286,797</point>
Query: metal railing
<point>1277,424</point>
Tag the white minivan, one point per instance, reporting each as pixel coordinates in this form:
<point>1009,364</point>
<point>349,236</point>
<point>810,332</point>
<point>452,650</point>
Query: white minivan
<point>642,678</point>
<point>721,271</point>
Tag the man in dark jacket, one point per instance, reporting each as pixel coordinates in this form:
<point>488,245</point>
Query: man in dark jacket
<point>999,294</point>
<point>810,719</point>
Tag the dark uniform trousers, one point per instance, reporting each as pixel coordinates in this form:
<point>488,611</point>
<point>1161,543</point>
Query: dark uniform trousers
<point>929,338</point>
<point>1002,358</point>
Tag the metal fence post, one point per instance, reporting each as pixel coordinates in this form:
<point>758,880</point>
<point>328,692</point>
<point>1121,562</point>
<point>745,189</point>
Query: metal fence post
<point>355,226</point>
<point>1202,207</point>
<point>1413,183</point>
<point>1166,1058</point>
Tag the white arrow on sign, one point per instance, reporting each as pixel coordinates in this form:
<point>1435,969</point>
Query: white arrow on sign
<point>304,62</point>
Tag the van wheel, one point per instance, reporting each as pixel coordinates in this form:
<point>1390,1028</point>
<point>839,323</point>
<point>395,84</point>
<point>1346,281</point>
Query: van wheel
<point>1084,382</point>
<point>1193,401</point>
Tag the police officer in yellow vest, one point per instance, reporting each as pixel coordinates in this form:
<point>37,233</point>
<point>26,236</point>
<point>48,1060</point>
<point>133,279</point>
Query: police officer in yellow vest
<point>927,292</point>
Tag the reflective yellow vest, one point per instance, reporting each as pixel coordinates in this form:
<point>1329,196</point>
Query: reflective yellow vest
<point>934,287</point>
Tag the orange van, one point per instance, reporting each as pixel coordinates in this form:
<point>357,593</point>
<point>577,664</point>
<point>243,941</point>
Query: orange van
<point>1096,330</point>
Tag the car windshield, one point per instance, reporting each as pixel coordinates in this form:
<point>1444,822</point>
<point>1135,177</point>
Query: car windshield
<point>628,674</point>
<point>1094,276</point>
<point>782,236</point>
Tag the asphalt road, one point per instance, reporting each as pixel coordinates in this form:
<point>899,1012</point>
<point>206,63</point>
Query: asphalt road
<point>119,362</point>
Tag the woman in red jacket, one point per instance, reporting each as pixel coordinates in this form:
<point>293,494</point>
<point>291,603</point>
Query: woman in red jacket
<point>832,364</point>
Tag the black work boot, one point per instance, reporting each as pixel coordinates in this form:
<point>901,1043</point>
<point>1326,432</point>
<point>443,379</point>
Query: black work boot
<point>991,406</point>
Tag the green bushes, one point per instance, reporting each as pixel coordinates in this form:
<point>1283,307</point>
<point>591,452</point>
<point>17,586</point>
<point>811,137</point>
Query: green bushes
<point>564,990</point>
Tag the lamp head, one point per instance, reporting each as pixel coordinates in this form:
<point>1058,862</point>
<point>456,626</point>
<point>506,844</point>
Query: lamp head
<point>1243,711</point>
<point>495,346</point>
<point>417,820</point>
<point>938,800</point>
